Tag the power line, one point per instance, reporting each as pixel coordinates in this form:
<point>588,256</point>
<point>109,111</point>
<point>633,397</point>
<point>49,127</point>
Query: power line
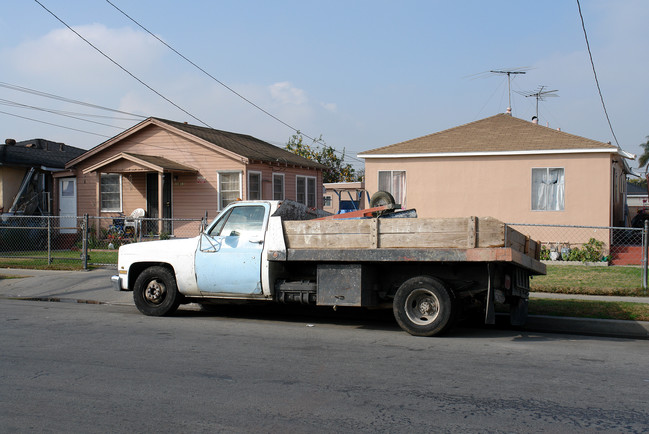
<point>69,100</point>
<point>136,78</point>
<point>121,67</point>
<point>297,131</point>
<point>590,55</point>
<point>56,112</point>
<point>208,74</point>
<point>55,125</point>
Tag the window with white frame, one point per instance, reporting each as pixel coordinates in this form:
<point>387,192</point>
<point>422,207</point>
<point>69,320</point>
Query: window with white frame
<point>229,188</point>
<point>254,185</point>
<point>305,190</point>
<point>394,182</point>
<point>110,192</point>
<point>278,186</point>
<point>548,189</point>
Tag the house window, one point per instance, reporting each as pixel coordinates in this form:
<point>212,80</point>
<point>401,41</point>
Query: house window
<point>254,185</point>
<point>278,186</point>
<point>548,189</point>
<point>394,182</point>
<point>111,192</point>
<point>327,201</point>
<point>229,188</point>
<point>305,190</point>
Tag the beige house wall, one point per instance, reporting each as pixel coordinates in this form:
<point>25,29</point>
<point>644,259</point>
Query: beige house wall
<point>10,180</point>
<point>500,187</point>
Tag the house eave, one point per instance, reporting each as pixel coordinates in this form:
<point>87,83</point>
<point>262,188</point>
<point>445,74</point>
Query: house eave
<point>500,153</point>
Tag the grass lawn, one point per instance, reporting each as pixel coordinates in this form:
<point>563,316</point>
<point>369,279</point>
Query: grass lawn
<point>577,279</point>
<point>61,260</point>
<point>590,309</point>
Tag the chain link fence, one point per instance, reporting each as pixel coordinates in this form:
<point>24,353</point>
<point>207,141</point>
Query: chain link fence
<point>562,244</point>
<point>44,240</point>
<point>610,245</point>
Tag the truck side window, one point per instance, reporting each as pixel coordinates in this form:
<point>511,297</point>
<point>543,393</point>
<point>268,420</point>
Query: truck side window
<point>241,220</point>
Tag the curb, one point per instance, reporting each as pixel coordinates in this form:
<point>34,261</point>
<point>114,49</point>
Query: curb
<point>588,326</point>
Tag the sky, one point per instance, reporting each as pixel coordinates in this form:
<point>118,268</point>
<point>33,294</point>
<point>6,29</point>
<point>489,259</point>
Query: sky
<point>359,74</point>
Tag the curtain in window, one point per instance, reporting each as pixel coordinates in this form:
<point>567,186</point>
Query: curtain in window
<point>229,188</point>
<point>548,189</point>
<point>394,182</point>
<point>110,192</point>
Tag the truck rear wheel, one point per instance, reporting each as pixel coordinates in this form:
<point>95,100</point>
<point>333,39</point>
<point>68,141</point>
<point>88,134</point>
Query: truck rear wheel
<point>422,306</point>
<point>155,292</point>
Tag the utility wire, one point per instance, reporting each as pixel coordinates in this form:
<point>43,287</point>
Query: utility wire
<point>56,112</point>
<point>583,26</point>
<point>210,75</point>
<point>72,101</point>
<point>141,81</point>
<point>55,125</point>
<point>121,67</point>
<point>297,131</point>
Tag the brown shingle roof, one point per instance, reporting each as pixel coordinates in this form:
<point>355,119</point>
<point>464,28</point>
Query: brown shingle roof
<point>499,133</point>
<point>245,145</point>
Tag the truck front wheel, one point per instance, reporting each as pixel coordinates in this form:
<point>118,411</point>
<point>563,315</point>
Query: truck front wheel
<point>422,306</point>
<point>155,292</point>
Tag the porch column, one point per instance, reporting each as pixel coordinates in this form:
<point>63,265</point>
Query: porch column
<point>160,202</point>
<point>97,200</point>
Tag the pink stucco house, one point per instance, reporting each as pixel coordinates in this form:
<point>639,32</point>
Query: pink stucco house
<point>514,170</point>
<point>178,170</point>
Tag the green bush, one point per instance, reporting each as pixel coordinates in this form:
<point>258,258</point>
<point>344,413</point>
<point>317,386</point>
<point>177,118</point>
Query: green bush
<point>592,251</point>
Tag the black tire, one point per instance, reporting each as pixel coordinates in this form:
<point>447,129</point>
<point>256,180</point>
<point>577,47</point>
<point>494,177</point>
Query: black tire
<point>381,198</point>
<point>423,307</point>
<point>155,292</point>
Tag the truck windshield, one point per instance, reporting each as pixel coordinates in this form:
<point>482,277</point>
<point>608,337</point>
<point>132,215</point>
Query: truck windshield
<point>240,220</point>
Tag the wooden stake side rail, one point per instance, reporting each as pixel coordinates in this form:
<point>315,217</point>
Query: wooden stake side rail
<point>432,233</point>
<point>508,255</point>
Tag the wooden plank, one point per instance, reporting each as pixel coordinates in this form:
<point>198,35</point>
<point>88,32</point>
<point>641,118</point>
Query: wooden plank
<point>473,232</point>
<point>490,233</point>
<point>464,232</point>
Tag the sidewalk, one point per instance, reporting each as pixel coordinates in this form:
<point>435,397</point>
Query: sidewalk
<point>94,287</point>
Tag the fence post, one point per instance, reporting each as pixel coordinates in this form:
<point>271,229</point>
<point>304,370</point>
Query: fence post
<point>49,240</point>
<point>84,242</point>
<point>645,249</point>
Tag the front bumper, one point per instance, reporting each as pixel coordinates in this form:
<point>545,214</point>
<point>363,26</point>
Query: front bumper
<point>116,282</point>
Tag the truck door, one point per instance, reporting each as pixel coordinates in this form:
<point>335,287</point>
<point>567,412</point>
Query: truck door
<point>228,257</point>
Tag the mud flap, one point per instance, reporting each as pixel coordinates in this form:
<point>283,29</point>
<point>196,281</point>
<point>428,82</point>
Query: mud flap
<point>518,311</point>
<point>490,309</point>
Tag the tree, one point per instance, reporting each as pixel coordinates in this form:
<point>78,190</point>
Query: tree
<point>337,170</point>
<point>644,158</point>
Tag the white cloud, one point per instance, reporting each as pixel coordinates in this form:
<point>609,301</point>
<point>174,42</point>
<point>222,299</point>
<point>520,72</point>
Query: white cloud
<point>285,93</point>
<point>60,56</point>
<point>329,106</point>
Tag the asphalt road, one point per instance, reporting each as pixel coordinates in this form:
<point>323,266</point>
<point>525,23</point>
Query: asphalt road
<point>68,367</point>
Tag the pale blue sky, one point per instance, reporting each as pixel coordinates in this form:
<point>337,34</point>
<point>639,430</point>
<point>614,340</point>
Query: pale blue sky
<point>362,74</point>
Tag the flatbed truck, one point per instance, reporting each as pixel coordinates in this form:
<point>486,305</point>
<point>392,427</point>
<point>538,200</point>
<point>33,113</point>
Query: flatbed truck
<point>430,272</point>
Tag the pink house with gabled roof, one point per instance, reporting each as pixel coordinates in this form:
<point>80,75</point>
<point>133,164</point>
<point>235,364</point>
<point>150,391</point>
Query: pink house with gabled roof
<point>514,170</point>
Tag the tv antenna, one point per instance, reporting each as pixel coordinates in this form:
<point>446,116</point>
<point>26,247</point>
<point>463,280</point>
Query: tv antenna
<point>509,73</point>
<point>540,95</point>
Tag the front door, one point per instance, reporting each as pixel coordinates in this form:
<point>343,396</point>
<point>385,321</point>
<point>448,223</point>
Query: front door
<point>152,202</point>
<point>228,258</point>
<point>68,205</point>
